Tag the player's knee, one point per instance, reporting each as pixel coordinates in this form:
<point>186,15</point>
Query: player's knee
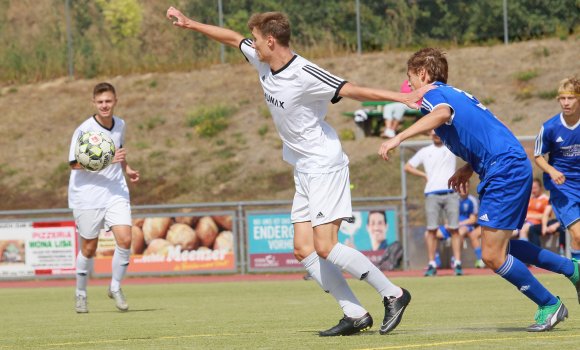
<point>493,261</point>
<point>299,254</point>
<point>124,241</point>
<point>89,252</point>
<point>323,252</point>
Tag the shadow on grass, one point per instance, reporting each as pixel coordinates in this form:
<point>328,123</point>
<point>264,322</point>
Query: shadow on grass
<point>125,312</point>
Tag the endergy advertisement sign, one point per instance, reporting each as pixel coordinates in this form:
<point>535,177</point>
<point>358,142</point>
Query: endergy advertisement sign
<point>174,244</point>
<point>30,249</point>
<point>271,235</point>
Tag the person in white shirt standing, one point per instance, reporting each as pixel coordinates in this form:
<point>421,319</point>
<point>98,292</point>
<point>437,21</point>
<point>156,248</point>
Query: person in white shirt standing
<point>101,199</point>
<point>439,165</point>
<point>297,93</point>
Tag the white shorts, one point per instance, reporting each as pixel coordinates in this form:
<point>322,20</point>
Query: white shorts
<point>90,221</point>
<point>321,198</point>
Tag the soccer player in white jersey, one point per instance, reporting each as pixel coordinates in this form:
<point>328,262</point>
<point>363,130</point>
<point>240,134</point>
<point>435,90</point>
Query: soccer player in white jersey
<point>101,199</point>
<point>560,138</point>
<point>297,93</point>
<point>490,149</point>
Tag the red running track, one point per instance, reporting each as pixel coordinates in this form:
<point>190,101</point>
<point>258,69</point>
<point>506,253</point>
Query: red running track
<point>70,282</point>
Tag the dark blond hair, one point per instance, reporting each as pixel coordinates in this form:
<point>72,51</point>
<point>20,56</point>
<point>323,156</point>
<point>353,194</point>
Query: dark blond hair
<point>569,86</point>
<point>433,61</point>
<point>275,24</point>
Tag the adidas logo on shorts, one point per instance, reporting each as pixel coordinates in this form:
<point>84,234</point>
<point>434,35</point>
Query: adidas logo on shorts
<point>320,215</point>
<point>484,217</point>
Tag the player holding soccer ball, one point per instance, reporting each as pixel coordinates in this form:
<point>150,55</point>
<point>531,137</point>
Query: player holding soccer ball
<point>490,149</point>
<point>297,93</point>
<point>101,198</point>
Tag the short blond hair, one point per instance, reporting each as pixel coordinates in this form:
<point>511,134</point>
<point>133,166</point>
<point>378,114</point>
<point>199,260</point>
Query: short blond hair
<point>569,86</point>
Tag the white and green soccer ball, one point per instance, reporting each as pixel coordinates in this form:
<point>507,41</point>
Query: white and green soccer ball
<point>94,150</point>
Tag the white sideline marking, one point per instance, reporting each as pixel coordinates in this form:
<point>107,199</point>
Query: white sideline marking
<point>469,341</point>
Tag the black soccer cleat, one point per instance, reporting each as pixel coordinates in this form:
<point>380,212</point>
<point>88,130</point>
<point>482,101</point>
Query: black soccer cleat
<point>394,308</point>
<point>349,326</point>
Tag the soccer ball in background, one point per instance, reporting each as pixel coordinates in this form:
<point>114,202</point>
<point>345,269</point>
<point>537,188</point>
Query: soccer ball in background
<point>94,150</point>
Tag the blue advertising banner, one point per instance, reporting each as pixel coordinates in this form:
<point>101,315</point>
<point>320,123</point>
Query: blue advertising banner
<point>271,234</point>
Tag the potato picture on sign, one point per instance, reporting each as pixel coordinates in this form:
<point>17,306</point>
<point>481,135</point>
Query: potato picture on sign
<point>182,235</point>
<point>206,230</point>
<point>137,240</point>
<point>155,227</point>
<point>224,241</point>
<point>158,246</point>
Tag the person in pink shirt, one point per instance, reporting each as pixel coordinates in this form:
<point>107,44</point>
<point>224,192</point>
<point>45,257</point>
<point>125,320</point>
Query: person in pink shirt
<point>393,113</point>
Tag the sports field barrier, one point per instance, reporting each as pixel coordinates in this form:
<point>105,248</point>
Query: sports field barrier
<point>43,243</point>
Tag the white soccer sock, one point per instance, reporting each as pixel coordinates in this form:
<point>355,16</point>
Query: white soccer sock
<point>82,271</point>
<point>120,264</point>
<point>331,280</point>
<point>359,266</point>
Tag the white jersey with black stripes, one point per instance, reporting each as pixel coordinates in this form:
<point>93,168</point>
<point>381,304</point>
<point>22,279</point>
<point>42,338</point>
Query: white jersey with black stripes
<point>297,96</point>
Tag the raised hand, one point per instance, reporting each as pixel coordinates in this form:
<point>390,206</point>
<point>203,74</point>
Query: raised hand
<point>179,20</point>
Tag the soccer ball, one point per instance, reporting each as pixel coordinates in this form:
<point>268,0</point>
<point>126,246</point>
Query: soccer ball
<point>94,150</point>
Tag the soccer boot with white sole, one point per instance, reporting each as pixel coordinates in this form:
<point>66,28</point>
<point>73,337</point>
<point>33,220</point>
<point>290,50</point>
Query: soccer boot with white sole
<point>575,278</point>
<point>81,306</point>
<point>458,270</point>
<point>119,298</point>
<point>394,308</point>
<point>430,271</point>
<point>349,326</point>
<point>547,317</point>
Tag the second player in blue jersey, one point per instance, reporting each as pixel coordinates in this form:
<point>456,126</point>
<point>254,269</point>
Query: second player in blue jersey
<point>490,149</point>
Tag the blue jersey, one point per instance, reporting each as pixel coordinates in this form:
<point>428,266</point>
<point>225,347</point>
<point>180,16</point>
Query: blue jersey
<point>562,142</point>
<point>467,207</point>
<point>473,132</point>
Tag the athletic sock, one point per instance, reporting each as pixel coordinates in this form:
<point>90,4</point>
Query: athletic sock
<point>477,252</point>
<point>82,270</point>
<point>359,266</point>
<point>575,253</point>
<point>120,264</point>
<point>532,254</point>
<point>515,272</point>
<point>331,280</point>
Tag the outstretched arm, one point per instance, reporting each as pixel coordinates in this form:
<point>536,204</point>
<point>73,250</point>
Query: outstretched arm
<point>437,117</point>
<point>223,35</point>
<point>361,93</point>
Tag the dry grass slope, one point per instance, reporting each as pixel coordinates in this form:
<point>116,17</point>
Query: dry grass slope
<point>244,161</point>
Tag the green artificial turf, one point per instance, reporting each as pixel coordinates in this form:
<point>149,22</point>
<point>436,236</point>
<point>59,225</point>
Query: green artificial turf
<point>468,312</point>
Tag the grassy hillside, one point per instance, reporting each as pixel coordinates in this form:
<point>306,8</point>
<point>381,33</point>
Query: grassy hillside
<point>243,162</point>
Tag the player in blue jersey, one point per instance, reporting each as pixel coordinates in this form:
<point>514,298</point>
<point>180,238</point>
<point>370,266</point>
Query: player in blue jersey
<point>468,209</point>
<point>490,149</point>
<point>560,138</point>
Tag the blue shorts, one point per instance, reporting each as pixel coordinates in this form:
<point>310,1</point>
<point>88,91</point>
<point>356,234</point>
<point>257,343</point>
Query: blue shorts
<point>445,233</point>
<point>504,194</point>
<point>566,206</point>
